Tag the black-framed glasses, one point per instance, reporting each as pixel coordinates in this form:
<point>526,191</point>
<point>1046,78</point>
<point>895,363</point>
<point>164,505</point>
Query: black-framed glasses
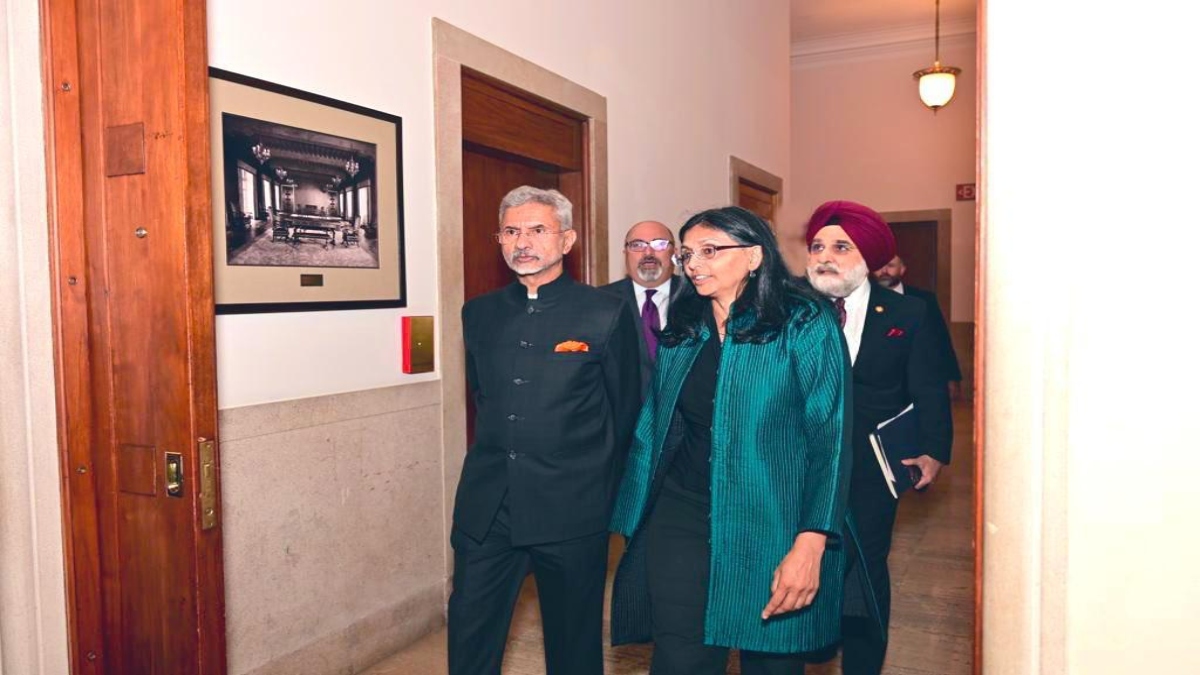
<point>641,245</point>
<point>707,252</point>
<point>510,234</point>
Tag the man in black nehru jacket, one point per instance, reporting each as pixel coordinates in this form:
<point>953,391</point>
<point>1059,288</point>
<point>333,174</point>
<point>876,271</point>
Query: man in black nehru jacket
<point>552,365</point>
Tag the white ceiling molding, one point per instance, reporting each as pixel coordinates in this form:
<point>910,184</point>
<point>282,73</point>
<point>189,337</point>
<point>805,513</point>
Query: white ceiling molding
<point>873,44</point>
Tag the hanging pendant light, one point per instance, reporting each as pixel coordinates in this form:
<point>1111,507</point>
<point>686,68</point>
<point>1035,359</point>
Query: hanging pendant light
<point>936,85</point>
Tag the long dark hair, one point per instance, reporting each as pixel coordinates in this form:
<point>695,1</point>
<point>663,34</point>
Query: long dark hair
<point>768,300</point>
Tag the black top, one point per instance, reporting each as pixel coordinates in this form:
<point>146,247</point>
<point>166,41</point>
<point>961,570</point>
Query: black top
<point>691,469</point>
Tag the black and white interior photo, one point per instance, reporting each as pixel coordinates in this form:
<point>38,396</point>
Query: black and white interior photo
<point>298,198</point>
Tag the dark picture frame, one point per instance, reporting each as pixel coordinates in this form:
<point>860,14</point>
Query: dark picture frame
<point>305,216</point>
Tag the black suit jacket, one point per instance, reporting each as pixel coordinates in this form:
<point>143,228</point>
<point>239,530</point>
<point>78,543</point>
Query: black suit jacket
<point>552,428</point>
<point>898,363</point>
<point>936,323</point>
<point>625,290</point>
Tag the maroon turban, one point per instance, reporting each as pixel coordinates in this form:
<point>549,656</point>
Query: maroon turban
<point>867,229</point>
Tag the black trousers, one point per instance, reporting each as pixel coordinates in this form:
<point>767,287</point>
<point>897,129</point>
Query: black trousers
<point>677,561</point>
<point>874,509</point>
<point>487,579</point>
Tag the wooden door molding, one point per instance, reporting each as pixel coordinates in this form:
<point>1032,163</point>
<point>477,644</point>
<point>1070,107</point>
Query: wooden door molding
<point>743,174</point>
<point>942,218</point>
<point>119,159</point>
<point>453,50</point>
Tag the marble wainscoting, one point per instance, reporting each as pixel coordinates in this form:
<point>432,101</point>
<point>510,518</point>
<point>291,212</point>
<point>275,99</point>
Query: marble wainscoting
<point>334,529</point>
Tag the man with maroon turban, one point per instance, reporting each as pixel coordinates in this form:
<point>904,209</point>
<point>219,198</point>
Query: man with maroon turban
<point>895,363</point>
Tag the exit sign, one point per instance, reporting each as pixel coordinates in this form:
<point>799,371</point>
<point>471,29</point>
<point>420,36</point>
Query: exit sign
<point>965,192</point>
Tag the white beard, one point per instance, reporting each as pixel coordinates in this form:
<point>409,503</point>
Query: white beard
<point>838,285</point>
<point>530,268</point>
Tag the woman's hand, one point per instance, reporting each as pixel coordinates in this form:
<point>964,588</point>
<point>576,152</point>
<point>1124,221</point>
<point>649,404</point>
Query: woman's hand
<point>798,576</point>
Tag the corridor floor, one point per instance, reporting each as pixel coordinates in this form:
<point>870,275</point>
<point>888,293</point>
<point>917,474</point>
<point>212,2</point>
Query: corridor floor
<point>932,596</point>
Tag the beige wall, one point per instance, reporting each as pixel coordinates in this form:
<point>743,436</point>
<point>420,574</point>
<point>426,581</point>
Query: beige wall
<point>32,603</point>
<point>1091,502</point>
<point>686,87</point>
<point>334,534</point>
<point>860,132</point>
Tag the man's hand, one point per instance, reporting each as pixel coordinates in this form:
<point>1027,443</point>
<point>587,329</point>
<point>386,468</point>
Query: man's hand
<point>798,576</point>
<point>929,468</point>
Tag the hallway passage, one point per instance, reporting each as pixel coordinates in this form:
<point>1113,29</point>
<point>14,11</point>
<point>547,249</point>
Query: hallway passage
<point>932,597</point>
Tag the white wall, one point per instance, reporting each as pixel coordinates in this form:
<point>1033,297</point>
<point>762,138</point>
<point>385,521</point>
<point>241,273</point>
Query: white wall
<point>687,85</point>
<point>33,624</point>
<point>860,132</point>
<point>1090,545</point>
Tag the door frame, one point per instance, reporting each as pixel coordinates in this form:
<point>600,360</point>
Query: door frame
<point>453,50</point>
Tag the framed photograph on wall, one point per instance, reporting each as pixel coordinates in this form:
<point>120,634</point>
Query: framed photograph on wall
<point>308,200</point>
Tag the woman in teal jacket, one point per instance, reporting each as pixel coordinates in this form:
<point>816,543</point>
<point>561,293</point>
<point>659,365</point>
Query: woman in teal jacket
<point>734,494</point>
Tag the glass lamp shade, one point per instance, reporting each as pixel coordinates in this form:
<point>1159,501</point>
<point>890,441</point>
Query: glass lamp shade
<point>936,85</point>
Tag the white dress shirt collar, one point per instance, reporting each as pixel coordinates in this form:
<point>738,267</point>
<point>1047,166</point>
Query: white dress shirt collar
<point>856,317</point>
<point>661,295</point>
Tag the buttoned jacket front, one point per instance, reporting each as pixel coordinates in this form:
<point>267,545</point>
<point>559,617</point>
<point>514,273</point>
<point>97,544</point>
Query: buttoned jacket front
<point>556,387</point>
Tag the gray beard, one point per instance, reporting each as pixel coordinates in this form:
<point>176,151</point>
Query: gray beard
<point>647,276</point>
<point>839,286</point>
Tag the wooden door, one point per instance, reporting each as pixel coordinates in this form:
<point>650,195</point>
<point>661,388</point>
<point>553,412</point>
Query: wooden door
<point>512,138</point>
<point>917,243</point>
<point>757,199</point>
<point>127,93</point>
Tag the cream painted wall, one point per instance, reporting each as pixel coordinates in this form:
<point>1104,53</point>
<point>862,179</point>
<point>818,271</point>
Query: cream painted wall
<point>1091,468</point>
<point>860,132</point>
<point>687,85</point>
<point>33,624</point>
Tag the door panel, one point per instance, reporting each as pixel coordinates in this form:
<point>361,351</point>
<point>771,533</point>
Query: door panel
<point>487,177</point>
<point>916,242</point>
<point>757,199</point>
<point>130,226</point>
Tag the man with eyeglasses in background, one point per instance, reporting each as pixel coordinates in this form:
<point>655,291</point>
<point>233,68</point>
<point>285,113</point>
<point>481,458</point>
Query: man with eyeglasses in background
<point>648,288</point>
<point>552,368</point>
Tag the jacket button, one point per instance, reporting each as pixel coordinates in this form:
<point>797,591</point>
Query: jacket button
<point>524,345</point>
<point>512,418</point>
<point>520,381</point>
<point>530,310</point>
<point>512,455</point>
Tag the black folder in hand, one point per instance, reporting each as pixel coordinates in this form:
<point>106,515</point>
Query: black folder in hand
<point>893,440</point>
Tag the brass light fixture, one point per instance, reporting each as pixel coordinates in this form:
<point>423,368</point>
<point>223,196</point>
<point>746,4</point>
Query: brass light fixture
<point>936,84</point>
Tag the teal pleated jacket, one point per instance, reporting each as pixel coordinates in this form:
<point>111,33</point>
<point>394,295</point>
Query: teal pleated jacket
<point>780,466</point>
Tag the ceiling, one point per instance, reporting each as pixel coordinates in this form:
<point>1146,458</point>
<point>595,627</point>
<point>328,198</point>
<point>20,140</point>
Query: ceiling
<point>813,19</point>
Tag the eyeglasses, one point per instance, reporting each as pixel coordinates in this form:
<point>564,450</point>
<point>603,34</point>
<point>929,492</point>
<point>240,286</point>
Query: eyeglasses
<point>703,253</point>
<point>641,245</point>
<point>508,235</point>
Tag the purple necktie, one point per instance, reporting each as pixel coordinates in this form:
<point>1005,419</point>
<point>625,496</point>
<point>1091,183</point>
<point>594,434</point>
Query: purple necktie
<point>840,305</point>
<point>650,326</point>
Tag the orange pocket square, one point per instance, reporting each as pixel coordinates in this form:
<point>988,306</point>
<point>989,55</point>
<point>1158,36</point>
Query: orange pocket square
<point>571,346</point>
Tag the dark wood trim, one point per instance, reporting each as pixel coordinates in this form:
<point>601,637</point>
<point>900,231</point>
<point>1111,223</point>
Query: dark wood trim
<point>69,299</point>
<point>201,319</point>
